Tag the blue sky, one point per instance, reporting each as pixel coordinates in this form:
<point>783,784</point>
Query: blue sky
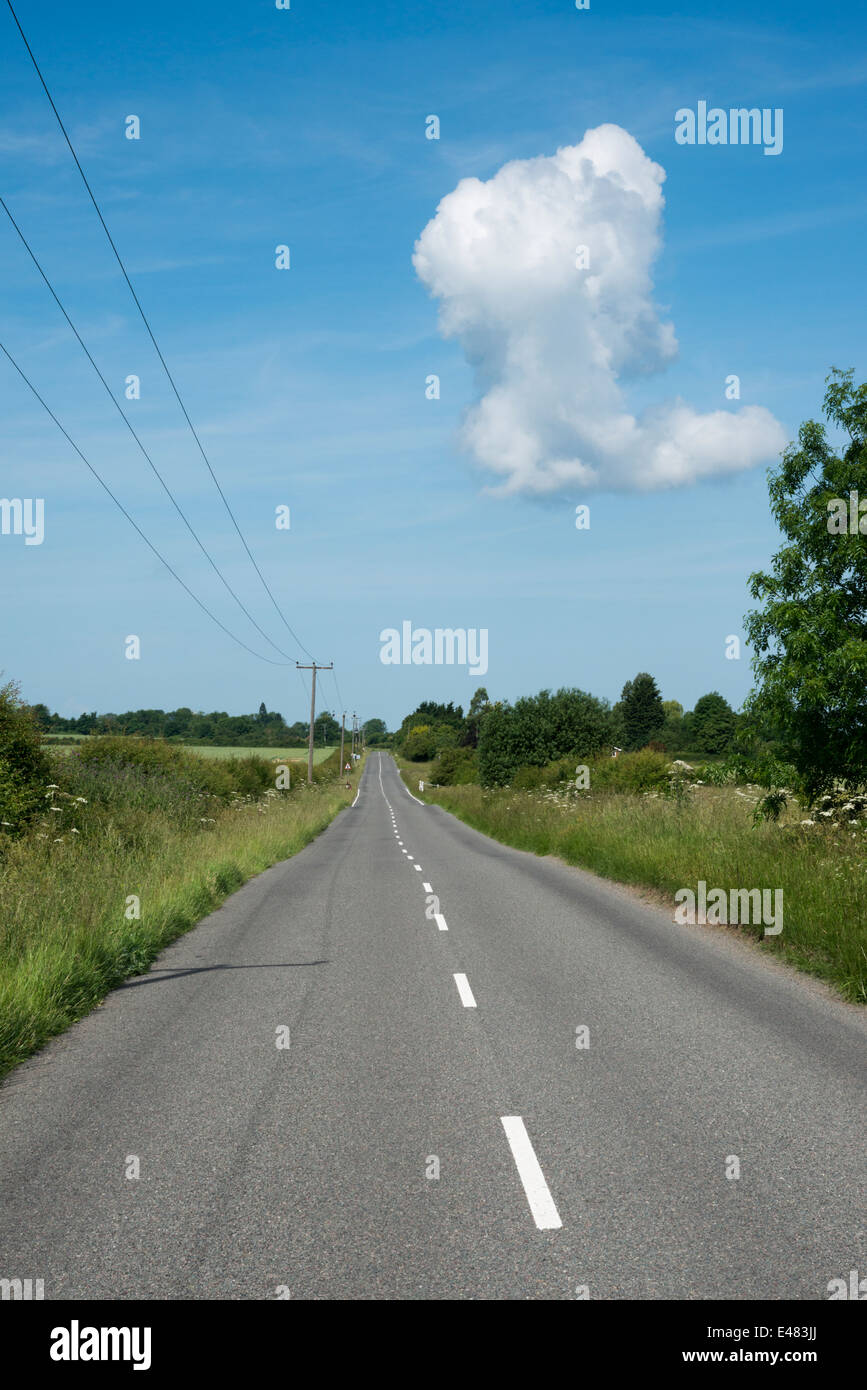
<point>306,127</point>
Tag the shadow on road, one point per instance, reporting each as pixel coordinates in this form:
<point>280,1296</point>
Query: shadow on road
<point>158,977</point>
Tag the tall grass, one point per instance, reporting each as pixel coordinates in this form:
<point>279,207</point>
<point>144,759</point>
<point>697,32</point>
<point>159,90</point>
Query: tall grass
<point>706,834</point>
<point>167,835</point>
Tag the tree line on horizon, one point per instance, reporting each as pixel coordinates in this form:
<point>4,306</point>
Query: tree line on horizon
<point>497,738</point>
<point>265,729</point>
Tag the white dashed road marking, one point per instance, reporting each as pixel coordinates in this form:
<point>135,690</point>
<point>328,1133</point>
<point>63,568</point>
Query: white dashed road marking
<point>465,992</point>
<point>545,1214</point>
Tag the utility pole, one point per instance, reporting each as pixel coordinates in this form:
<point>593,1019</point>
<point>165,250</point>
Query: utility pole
<point>342,736</point>
<point>314,668</point>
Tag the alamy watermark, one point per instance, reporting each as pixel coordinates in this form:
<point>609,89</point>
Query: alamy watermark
<point>25,1290</point>
<point>847,517</point>
<point>77,1343</point>
<point>23,516</point>
<point>737,126</point>
<point>855,1288</point>
<point>735,907</point>
<point>445,646</point>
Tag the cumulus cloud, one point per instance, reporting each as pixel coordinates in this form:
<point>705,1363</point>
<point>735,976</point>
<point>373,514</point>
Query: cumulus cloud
<point>554,345</point>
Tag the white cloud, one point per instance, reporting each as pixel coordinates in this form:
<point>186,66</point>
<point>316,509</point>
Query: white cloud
<point>553,345</point>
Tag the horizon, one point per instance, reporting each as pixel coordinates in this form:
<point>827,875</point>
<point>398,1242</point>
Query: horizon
<point>311,387</point>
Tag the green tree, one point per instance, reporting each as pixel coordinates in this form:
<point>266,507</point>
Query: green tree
<point>643,713</point>
<point>375,732</point>
<point>326,728</point>
<point>675,731</point>
<point>713,724</point>
<point>538,729</point>
<point>809,638</point>
<point>41,716</point>
<point>420,744</point>
<point>479,705</point>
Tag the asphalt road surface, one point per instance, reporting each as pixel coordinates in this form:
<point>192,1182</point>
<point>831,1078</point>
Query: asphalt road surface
<point>431,1130</point>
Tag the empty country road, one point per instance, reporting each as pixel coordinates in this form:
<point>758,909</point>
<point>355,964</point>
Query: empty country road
<point>359,1079</point>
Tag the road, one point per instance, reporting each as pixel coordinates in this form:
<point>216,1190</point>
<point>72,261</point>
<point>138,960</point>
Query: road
<point>440,1044</point>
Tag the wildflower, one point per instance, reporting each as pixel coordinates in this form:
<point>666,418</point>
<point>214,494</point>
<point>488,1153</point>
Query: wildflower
<point>82,799</point>
<point>74,831</point>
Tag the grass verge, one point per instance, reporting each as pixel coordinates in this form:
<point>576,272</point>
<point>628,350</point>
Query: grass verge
<point>146,845</point>
<point>667,844</point>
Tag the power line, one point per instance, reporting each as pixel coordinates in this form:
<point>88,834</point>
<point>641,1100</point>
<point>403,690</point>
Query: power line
<point>133,523</point>
<point>127,422</point>
<point>144,318</point>
<point>303,684</point>
<point>337,688</point>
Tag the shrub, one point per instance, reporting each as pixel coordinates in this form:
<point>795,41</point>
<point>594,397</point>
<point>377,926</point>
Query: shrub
<point>762,770</point>
<point>158,763</point>
<point>24,768</point>
<point>251,775</point>
<point>630,772</point>
<point>456,767</point>
<point>552,775</point>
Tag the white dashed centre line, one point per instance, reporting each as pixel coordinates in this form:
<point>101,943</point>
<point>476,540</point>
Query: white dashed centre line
<point>417,867</point>
<point>427,888</point>
<point>465,992</point>
<point>440,921</point>
<point>545,1214</point>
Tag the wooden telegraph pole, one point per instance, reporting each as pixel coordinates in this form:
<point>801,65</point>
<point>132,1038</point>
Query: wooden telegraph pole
<point>342,736</point>
<point>314,668</point>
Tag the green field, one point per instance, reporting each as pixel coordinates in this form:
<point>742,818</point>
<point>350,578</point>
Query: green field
<point>211,751</point>
<point>290,754</point>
